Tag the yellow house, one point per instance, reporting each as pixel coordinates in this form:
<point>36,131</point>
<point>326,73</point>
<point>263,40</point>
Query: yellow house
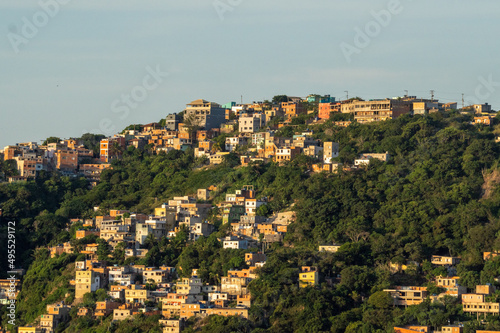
<point>28,329</point>
<point>86,281</point>
<point>308,276</point>
<point>137,294</point>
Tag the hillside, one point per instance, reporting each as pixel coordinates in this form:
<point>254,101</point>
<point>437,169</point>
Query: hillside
<point>436,195</point>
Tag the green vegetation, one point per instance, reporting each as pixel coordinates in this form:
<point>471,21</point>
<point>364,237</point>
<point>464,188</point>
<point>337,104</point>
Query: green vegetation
<point>438,194</point>
<point>52,139</point>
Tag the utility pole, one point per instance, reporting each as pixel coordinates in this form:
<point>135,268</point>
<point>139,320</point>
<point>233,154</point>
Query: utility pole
<point>347,94</point>
<point>432,95</point>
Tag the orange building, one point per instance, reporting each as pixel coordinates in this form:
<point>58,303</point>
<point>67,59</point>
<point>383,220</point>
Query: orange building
<point>326,108</point>
<point>66,159</point>
<point>84,233</point>
<point>293,109</point>
<point>10,152</point>
<point>111,148</point>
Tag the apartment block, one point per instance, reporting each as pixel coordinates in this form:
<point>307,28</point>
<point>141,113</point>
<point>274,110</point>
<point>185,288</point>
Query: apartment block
<point>206,114</point>
<point>370,111</point>
<point>405,296</point>
<point>325,109</point>
<point>251,123</point>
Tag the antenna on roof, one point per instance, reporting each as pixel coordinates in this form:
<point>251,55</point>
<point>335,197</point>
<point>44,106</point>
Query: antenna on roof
<point>463,102</point>
<point>406,93</point>
<point>347,93</point>
<point>432,95</point>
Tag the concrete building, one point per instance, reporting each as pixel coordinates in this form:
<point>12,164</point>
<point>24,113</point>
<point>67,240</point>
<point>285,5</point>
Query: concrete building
<point>285,154</point>
<point>189,286</point>
<point>206,114</point>
<point>308,276</point>
<point>405,296</point>
<point>369,111</point>
<point>329,248</point>
<point>325,109</point>
<point>293,109</point>
<point>111,148</point>
<point>444,260</point>
<point>451,284</point>
<point>172,122</point>
<point>232,242</point>
<point>137,293</point>
<point>364,159</point>
<point>251,123</point>
<point>233,142</point>
<point>481,108</point>
<point>330,151</point>
<point>87,281</point>
<point>172,326</point>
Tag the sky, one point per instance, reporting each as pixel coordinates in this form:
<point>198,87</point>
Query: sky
<point>68,67</point>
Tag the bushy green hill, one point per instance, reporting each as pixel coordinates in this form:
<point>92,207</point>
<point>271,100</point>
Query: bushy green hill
<point>437,194</point>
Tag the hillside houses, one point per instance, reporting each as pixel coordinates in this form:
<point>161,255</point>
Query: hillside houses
<point>253,128</point>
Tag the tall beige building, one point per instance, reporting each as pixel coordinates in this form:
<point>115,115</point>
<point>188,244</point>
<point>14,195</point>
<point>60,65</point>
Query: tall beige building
<point>206,114</point>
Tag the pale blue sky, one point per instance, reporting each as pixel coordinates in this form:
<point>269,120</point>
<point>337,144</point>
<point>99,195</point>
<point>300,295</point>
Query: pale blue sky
<point>64,80</point>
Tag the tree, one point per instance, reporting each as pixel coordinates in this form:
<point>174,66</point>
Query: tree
<point>278,99</point>
<point>380,300</point>
<point>52,139</point>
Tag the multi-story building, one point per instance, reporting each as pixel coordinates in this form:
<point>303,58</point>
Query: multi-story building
<point>232,242</point>
<point>451,285</point>
<point>87,281</point>
<point>121,275</point>
<point>232,212</point>
<point>284,154</point>
<point>252,258</point>
<point>444,260</point>
<point>330,151</point>
<point>105,308</point>
<point>235,285</point>
<point>125,311</point>
<point>9,152</point>
<point>29,166</point>
<point>251,123</point>
<point>308,276</point>
<point>233,142</point>
<point>451,329</point>
<point>111,148</point>
<point>205,114</point>
<point>325,109</point>
<point>424,107</point>
<point>481,108</point>
<point>485,120</point>
<point>137,293</point>
<point>369,111</point>
<point>405,296</point>
<point>292,109</point>
<point>158,276</point>
<point>189,310</point>
<point>189,286</point>
<point>477,304</point>
<point>172,326</point>
<point>66,159</point>
<point>172,122</point>
<point>364,159</point>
